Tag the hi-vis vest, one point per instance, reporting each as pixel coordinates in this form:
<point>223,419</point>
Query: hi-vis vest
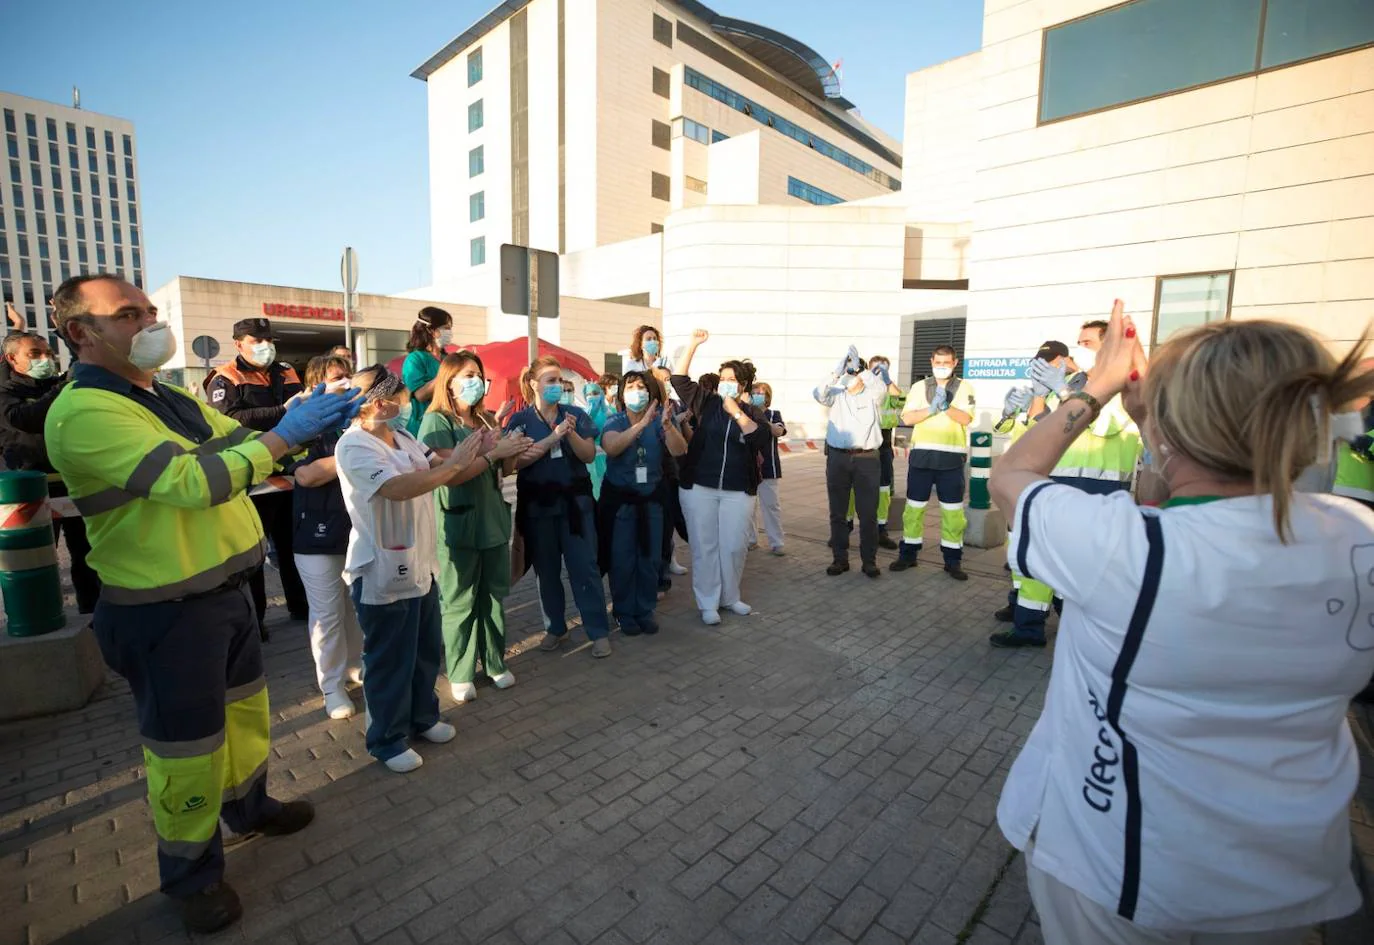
<point>166,516</point>
<point>1107,450</point>
<point>1354,473</point>
<point>939,432</point>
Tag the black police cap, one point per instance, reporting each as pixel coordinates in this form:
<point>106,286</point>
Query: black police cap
<point>257,327</point>
<point>1051,350</point>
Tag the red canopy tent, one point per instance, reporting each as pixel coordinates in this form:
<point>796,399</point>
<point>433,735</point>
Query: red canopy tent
<point>504,360</point>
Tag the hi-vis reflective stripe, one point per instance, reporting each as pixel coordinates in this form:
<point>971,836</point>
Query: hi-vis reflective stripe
<point>107,500</point>
<point>206,580</point>
<point>193,748</point>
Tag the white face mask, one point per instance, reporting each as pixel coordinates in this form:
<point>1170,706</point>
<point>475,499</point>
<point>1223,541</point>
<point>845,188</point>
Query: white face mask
<point>152,347</point>
<point>942,373</point>
<point>445,337</point>
<point>263,353</point>
<point>1085,358</point>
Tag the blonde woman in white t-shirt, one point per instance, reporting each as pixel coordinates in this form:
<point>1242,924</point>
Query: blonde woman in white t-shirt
<point>1189,778</point>
<point>387,476</point>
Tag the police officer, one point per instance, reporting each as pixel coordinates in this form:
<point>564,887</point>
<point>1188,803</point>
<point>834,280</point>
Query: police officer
<point>161,479</point>
<point>24,403</point>
<point>852,437</point>
<point>253,389</point>
<point>939,410</point>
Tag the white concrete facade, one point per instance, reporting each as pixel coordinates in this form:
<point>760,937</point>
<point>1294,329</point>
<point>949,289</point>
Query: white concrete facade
<point>69,202</point>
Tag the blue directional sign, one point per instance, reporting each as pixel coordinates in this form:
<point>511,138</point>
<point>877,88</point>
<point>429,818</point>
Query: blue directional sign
<point>1002,369</point>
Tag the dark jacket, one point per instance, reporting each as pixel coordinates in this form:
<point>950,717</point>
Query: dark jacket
<point>720,456</point>
<point>24,404</point>
<point>253,396</point>
<point>320,523</point>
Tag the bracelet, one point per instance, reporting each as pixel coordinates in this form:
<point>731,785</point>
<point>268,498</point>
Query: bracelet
<point>1093,403</point>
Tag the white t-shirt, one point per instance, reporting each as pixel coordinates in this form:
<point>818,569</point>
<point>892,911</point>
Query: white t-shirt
<point>393,546</point>
<point>629,362</point>
<point>1194,772</point>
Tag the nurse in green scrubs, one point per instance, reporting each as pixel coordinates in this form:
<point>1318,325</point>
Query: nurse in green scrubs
<point>474,527</point>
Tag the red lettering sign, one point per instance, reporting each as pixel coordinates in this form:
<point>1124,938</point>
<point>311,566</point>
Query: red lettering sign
<point>281,309</point>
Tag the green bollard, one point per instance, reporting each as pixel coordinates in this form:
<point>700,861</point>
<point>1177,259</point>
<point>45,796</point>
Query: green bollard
<point>29,577</point>
<point>980,466</point>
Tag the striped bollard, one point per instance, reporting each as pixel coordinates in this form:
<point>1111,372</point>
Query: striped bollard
<point>29,577</point>
<point>987,528</point>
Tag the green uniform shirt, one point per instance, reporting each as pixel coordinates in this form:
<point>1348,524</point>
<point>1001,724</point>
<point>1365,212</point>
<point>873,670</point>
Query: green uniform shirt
<point>474,515</point>
<point>1354,474</point>
<point>890,413</point>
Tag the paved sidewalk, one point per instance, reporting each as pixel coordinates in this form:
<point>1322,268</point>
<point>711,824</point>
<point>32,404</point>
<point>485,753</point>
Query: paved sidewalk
<point>825,770</point>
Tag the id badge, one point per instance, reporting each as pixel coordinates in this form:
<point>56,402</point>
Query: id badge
<point>557,451</point>
<point>642,475</point>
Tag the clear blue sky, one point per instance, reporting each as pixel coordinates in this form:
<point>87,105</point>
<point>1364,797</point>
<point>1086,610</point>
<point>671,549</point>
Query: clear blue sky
<point>270,135</point>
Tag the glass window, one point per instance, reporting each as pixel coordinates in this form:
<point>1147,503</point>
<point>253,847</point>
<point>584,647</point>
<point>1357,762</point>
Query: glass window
<point>52,129</point>
<point>31,125</point>
<point>95,185</point>
<point>475,67</point>
<point>114,188</point>
<point>81,253</point>
<point>4,245</point>
<point>99,232</point>
<point>54,155</point>
<point>129,193</point>
<point>661,135</point>
<point>1188,300</point>
<point>23,242</point>
<point>100,254</point>
<point>62,227</point>
<point>133,214</point>
<point>119,256</point>
<point>118,233</point>
<point>663,30</point>
<point>21,222</point>
<point>138,259</point>
<point>18,192</point>
<point>73,159</point>
<point>43,248</point>
<point>92,163</point>
<point>696,131</point>
<point>133,235</point>
<point>659,187</point>
<point>718,136</point>
<point>9,121</point>
<point>12,145</point>
<point>71,134</point>
<point>45,270</point>
<point>96,210</point>
<point>1301,29</point>
<point>41,222</point>
<point>475,115</point>
<point>138,280</point>
<point>36,175</point>
<point>476,161</point>
<point>56,174</point>
<point>804,191</point>
<point>128,146</point>
<point>129,168</point>
<point>661,82</point>
<point>33,150</point>
<point>62,249</point>
<point>114,209</point>
<point>1143,49</point>
<point>90,137</point>
<point>81,229</point>
<point>26,269</point>
<point>109,141</point>
<point>477,250</point>
<point>477,206</point>
<point>16,175</point>
<point>110,166</point>
<point>76,182</point>
<point>78,205</point>
<point>5,270</point>
<point>38,203</point>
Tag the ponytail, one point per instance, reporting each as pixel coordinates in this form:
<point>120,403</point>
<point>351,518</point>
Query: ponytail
<point>528,375</point>
<point>1291,431</point>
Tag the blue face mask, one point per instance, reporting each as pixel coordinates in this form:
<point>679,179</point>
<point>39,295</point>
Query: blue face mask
<point>636,400</point>
<point>472,390</point>
<point>594,402</point>
<point>728,389</point>
<point>651,348</point>
<point>565,399</point>
<point>399,422</point>
<point>552,393</point>
<point>758,400</point>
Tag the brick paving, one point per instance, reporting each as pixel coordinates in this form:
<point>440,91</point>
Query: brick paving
<point>824,770</point>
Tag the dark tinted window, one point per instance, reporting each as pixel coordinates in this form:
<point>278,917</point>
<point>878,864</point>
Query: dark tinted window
<point>662,135</point>
<point>1301,29</point>
<point>52,129</point>
<point>90,137</point>
<point>663,30</point>
<point>1144,49</point>
<point>658,185</point>
<point>660,82</point>
<point>31,126</point>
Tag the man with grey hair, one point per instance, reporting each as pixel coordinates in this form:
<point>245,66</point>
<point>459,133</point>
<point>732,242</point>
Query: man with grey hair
<point>25,399</point>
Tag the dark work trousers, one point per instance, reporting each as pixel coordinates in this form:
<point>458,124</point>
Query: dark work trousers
<point>885,475</point>
<point>85,581</point>
<point>403,648</point>
<point>195,669</point>
<point>858,471</point>
<point>274,509</point>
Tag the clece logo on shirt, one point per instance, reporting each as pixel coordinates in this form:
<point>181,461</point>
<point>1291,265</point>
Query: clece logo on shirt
<point>1097,785</point>
<point>1359,635</point>
<point>376,474</point>
<point>217,396</point>
<point>402,570</point>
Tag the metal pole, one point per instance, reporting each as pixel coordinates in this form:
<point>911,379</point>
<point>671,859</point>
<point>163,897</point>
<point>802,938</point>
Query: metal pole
<point>534,307</point>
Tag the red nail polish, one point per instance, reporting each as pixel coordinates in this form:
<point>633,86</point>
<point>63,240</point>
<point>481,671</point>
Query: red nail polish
<point>1135,375</point>
<point>1130,332</point>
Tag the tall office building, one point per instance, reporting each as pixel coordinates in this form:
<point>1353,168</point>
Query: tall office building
<point>572,124</point>
<point>68,204</point>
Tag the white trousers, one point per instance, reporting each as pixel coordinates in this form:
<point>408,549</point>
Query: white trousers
<point>336,640</point>
<point>770,509</point>
<point>1069,918</point>
<point>716,522</point>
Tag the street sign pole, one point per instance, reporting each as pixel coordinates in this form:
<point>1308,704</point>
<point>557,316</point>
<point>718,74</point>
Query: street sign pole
<point>534,307</point>
<point>348,273</point>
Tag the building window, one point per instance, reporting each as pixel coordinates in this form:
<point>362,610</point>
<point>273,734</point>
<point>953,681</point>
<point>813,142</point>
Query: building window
<point>658,185</point>
<point>128,146</point>
<point>474,67</point>
<point>119,257</point>
<point>1185,301</point>
<point>21,224</point>
<point>95,185</point>
<point>31,126</point>
<point>54,155</point>
<point>114,209</point>
<point>73,159</point>
<point>804,191</point>
<point>59,205</point>
<point>76,182</point>
<point>52,129</point>
<point>18,192</point>
<point>138,259</point>
<point>61,225</point>
<point>663,30</point>
<point>110,166</point>
<point>90,138</point>
<point>477,206</point>
<point>41,220</point>
<point>477,250</point>
<point>100,254</point>
<point>109,142</point>
<point>56,178</point>
<point>96,210</point>
<point>81,255</point>
<point>661,135</point>
<point>12,143</point>
<point>133,214</point>
<point>694,184</point>
<point>655,228</point>
<point>718,136</point>
<point>475,115</point>
<point>476,161</point>
<point>661,82</point>
<point>92,163</point>
<point>114,188</point>
<point>133,235</point>
<point>118,233</point>
<point>16,175</point>
<point>129,168</point>
<point>696,131</point>
<point>43,248</point>
<point>62,248</point>
<point>38,202</point>
<point>9,121</point>
<point>763,116</point>
<point>33,150</point>
<point>129,193</point>
<point>1303,29</point>
<point>81,229</point>
<point>78,205</point>
<point>99,232</point>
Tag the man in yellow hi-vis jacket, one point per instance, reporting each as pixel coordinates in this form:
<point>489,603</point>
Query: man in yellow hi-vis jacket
<point>161,481</point>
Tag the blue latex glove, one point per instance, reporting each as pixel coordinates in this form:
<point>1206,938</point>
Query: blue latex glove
<point>1018,399</point>
<point>1045,377</point>
<point>940,401</point>
<point>884,376</point>
<point>310,416</point>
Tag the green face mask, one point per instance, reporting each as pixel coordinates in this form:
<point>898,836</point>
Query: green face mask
<point>41,368</point>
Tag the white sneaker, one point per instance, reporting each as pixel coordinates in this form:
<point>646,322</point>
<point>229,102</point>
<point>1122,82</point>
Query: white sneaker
<point>710,617</point>
<point>355,675</point>
<point>504,680</point>
<point>405,762</point>
<point>337,705</point>
<point>741,608</point>
<point>675,568</point>
<point>463,692</point>
<point>439,732</point>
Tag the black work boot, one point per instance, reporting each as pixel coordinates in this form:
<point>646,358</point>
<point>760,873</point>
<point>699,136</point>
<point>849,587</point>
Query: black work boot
<point>838,566</point>
<point>210,909</point>
<point>293,816</point>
